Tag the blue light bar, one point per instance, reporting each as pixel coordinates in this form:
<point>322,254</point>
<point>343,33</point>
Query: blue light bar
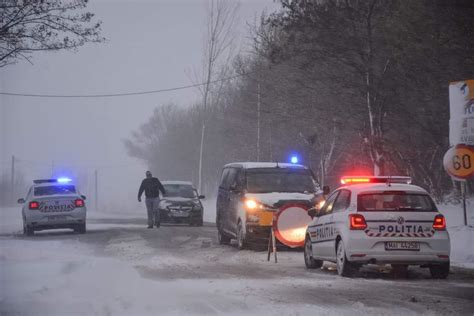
<point>64,180</point>
<point>294,159</point>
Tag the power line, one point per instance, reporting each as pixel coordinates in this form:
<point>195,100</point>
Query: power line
<point>118,94</point>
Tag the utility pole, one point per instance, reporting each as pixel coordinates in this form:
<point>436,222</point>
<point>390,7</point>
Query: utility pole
<point>271,143</point>
<point>96,190</point>
<point>258,121</point>
<point>464,206</point>
<point>13,179</point>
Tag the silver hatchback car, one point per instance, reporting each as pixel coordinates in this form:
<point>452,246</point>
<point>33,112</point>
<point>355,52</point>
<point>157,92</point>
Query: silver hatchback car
<point>52,204</point>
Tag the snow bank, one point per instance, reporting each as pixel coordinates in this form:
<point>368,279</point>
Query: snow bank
<point>209,205</point>
<point>462,237</point>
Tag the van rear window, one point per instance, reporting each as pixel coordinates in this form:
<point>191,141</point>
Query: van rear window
<point>55,190</point>
<point>395,202</point>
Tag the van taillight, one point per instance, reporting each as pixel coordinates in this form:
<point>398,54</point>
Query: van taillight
<point>79,203</point>
<point>33,205</point>
<point>439,222</point>
<point>357,222</point>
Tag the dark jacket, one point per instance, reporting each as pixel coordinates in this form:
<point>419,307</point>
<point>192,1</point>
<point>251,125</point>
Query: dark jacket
<point>152,187</point>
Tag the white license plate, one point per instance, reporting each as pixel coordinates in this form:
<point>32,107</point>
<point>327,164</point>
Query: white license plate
<point>179,214</point>
<point>56,218</point>
<point>402,245</point>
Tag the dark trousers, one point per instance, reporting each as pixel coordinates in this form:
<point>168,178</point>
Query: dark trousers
<point>153,211</point>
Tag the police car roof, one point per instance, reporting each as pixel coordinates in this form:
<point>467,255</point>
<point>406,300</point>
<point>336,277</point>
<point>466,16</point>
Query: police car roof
<point>378,187</point>
<point>177,182</point>
<point>254,165</point>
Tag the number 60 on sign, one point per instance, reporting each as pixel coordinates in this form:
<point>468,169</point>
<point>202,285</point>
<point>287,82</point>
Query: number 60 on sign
<point>459,161</point>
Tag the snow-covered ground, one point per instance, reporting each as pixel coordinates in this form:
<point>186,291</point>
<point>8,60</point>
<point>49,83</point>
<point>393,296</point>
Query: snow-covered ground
<point>121,268</point>
<point>462,237</point>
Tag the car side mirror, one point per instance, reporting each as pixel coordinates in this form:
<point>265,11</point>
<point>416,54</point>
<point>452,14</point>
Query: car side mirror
<point>201,197</point>
<point>21,201</point>
<point>312,212</point>
<point>234,187</point>
<point>326,190</point>
<point>83,197</point>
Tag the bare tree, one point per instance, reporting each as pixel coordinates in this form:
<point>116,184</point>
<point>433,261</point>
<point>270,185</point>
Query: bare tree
<point>29,26</point>
<point>221,20</point>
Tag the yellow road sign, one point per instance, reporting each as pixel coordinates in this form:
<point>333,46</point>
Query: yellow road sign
<point>459,161</point>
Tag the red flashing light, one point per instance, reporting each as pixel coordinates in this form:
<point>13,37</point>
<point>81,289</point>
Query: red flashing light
<point>375,179</point>
<point>79,203</point>
<point>439,222</point>
<point>357,222</point>
<point>349,180</point>
<point>34,205</point>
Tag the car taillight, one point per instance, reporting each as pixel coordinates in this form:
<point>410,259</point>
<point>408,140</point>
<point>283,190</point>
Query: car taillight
<point>33,205</point>
<point>439,222</point>
<point>79,203</point>
<point>357,221</point>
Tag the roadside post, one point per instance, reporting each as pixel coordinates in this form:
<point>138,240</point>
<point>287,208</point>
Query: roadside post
<point>459,159</point>
<point>272,241</point>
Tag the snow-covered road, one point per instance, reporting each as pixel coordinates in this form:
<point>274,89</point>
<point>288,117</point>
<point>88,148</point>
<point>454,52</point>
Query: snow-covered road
<point>121,268</point>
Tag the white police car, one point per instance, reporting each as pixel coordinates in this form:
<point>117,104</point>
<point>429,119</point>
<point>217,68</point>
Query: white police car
<point>53,203</point>
<point>378,220</point>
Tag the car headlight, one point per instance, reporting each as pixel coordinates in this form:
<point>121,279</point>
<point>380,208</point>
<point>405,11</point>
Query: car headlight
<point>252,205</point>
<point>320,204</point>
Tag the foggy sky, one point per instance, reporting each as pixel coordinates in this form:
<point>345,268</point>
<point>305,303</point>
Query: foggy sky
<point>150,45</point>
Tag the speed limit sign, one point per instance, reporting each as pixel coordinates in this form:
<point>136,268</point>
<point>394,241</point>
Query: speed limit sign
<point>459,161</point>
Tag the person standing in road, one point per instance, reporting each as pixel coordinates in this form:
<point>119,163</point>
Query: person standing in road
<point>152,187</point>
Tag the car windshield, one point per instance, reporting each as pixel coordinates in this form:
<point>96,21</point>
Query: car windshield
<point>55,190</point>
<point>179,190</point>
<point>266,180</point>
<point>395,201</point>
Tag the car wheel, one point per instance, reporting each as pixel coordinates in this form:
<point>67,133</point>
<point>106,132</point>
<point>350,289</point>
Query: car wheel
<point>81,228</point>
<point>200,221</point>
<point>344,267</point>
<point>439,271</point>
<point>241,242</point>
<point>400,270</point>
<point>309,261</point>
<point>29,231</point>
<point>223,239</point>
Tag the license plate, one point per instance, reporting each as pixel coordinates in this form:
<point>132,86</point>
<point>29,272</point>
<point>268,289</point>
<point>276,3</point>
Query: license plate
<point>56,218</point>
<point>402,245</point>
<point>179,214</point>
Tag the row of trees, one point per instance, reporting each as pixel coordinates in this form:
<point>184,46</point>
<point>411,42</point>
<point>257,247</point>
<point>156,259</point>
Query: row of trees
<point>352,86</point>
<point>30,26</point>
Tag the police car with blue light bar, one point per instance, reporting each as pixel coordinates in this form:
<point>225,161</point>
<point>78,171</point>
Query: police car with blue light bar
<point>378,220</point>
<point>51,204</point>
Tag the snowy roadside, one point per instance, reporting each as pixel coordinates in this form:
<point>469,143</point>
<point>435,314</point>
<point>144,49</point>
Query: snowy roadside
<point>462,237</point>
